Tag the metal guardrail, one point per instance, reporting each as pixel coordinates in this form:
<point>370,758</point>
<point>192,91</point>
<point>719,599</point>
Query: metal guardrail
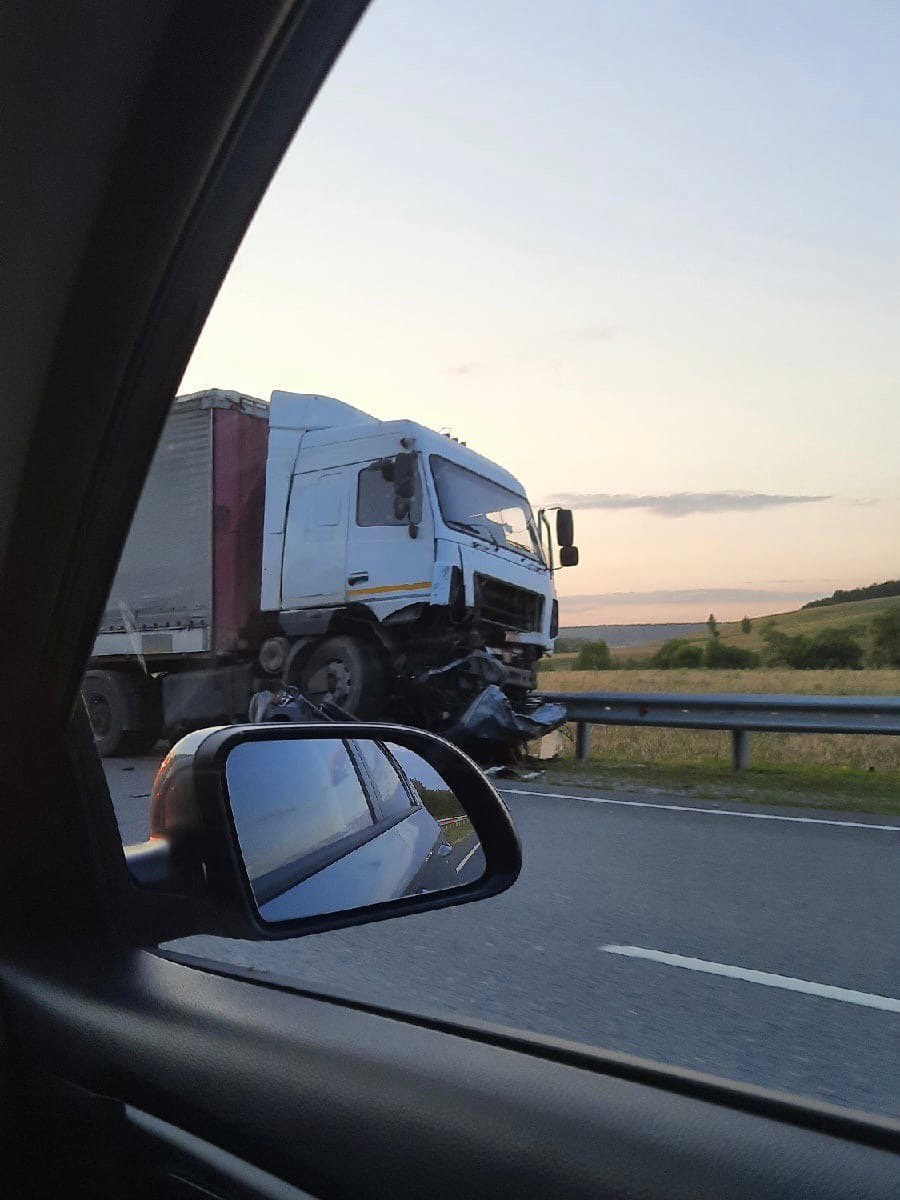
<point>740,713</point>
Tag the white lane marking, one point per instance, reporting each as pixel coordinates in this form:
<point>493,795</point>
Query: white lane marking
<point>710,812</point>
<point>785,982</point>
<point>477,846</point>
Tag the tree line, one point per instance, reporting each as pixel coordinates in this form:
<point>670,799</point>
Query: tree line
<point>873,591</point>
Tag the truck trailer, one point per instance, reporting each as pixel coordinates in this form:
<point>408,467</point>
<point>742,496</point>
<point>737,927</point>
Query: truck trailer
<point>379,566</point>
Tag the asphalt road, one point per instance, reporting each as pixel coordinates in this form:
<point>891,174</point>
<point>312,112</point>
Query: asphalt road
<point>467,860</point>
<point>759,949</point>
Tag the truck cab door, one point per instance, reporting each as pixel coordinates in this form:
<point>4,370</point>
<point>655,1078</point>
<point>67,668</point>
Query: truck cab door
<point>313,571</point>
<point>386,567</point>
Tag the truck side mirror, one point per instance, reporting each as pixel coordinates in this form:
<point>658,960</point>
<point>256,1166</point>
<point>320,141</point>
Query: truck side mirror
<point>565,529</point>
<point>405,475</point>
<point>568,556</point>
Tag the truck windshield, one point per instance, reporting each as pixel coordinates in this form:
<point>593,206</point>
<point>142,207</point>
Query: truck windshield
<point>477,505</point>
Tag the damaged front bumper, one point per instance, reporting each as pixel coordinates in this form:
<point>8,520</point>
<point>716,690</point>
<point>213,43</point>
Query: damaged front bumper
<point>491,717</point>
<point>487,715</point>
<point>484,667</point>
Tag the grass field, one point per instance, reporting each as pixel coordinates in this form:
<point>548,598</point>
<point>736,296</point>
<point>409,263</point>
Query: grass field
<point>841,789</point>
<point>843,754</point>
<point>562,662</point>
<point>764,679</point>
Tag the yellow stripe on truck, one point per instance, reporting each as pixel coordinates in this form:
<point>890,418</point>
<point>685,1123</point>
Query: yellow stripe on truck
<point>391,587</point>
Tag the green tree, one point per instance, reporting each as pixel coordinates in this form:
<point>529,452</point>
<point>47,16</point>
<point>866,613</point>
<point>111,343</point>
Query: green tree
<point>782,649</point>
<point>719,655</point>
<point>830,648</point>
<point>593,656</point>
<point>746,625</point>
<point>678,652</point>
<point>712,625</point>
<point>833,647</point>
<point>886,637</point>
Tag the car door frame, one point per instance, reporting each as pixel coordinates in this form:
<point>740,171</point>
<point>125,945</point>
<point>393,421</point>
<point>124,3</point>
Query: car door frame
<point>91,1025</point>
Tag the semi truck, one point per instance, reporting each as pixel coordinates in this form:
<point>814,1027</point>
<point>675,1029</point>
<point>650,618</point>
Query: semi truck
<point>380,567</point>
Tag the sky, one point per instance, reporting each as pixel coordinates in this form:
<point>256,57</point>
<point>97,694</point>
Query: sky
<point>645,255</point>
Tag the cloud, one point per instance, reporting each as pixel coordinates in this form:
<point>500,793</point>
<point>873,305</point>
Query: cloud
<point>463,368</point>
<point>701,597</point>
<point>683,504</point>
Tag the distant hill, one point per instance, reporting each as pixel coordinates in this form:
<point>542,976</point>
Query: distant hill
<point>854,616</point>
<point>874,591</point>
<point>618,637</point>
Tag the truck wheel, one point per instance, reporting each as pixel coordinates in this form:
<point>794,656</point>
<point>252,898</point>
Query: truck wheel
<point>347,672</point>
<point>114,702</point>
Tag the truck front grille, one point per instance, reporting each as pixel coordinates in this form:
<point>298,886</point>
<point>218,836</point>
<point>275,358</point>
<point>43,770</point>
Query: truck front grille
<point>504,604</point>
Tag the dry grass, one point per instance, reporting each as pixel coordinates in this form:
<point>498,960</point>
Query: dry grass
<point>765,679</point>
<point>627,745</point>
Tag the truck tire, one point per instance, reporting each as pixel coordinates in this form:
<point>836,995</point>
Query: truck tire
<point>115,703</point>
<point>348,672</point>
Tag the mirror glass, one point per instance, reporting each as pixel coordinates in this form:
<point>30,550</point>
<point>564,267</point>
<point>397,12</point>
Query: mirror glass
<point>565,527</point>
<point>326,825</point>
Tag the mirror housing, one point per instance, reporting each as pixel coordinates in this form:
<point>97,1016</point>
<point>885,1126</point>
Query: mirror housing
<point>568,556</point>
<point>193,828</point>
<point>405,475</point>
<point>565,529</point>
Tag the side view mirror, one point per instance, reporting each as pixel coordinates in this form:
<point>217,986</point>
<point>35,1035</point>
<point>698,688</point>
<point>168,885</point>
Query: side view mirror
<point>404,480</point>
<point>568,556</point>
<point>565,529</point>
<point>290,829</point>
<point>405,475</point>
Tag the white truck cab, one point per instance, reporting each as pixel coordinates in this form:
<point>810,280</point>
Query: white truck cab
<point>465,540</point>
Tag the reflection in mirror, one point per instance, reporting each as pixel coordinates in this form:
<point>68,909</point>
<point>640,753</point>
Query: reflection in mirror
<point>326,825</point>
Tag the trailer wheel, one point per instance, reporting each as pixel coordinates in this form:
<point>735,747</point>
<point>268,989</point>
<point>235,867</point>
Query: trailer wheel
<point>347,672</point>
<point>115,704</point>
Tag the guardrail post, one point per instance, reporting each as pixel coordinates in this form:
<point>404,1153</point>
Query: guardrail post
<point>582,741</point>
<point>740,749</point>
